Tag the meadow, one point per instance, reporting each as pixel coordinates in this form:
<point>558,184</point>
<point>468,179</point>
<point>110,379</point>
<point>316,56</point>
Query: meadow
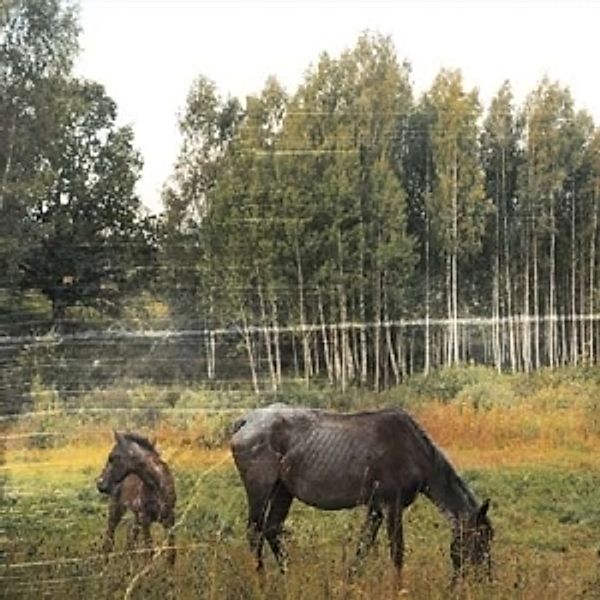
<point>530,443</point>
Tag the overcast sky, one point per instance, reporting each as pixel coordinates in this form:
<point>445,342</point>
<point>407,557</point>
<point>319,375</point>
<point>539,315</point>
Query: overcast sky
<point>148,52</point>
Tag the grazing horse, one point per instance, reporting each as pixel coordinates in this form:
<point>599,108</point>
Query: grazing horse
<point>136,478</point>
<point>380,459</point>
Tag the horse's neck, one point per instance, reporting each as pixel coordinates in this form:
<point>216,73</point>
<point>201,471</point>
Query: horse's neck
<point>449,492</point>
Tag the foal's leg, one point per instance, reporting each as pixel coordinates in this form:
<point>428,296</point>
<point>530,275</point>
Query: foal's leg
<point>281,501</point>
<point>168,524</point>
<point>143,524</point>
<point>133,532</point>
<point>146,533</point>
<point>115,513</point>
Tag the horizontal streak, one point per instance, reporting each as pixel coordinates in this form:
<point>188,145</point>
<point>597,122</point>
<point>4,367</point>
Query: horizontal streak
<point>167,334</point>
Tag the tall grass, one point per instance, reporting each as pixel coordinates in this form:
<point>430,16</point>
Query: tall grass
<point>532,444</point>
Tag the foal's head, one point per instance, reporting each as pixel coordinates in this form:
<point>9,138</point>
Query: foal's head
<point>128,455</point>
<point>471,542</point>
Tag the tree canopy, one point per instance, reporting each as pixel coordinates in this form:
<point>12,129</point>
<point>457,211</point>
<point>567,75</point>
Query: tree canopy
<point>344,229</point>
<point>70,218</point>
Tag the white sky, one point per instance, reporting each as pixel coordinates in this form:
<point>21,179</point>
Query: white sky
<point>148,52</point>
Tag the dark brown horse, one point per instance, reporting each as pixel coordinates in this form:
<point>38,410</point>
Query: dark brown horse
<point>380,459</point>
<point>137,479</point>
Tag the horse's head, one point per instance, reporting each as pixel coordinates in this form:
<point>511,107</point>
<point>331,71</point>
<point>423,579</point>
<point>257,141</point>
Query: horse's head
<point>125,457</point>
<point>471,542</point>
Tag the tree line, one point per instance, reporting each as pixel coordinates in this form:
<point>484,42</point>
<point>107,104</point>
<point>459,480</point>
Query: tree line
<point>347,230</point>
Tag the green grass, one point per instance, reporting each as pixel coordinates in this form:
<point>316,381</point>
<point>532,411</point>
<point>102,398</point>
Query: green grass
<point>531,443</point>
<point>547,525</point>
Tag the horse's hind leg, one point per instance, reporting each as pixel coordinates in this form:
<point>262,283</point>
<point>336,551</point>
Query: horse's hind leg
<point>369,530</point>
<point>281,501</point>
<point>255,529</point>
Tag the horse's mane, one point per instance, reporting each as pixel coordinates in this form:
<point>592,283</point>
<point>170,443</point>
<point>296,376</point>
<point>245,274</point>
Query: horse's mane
<point>441,463</point>
<point>141,441</point>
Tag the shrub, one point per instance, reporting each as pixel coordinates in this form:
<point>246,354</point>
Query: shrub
<point>446,384</point>
<point>484,395</point>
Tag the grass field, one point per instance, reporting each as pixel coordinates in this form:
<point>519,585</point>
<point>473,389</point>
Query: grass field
<point>537,457</point>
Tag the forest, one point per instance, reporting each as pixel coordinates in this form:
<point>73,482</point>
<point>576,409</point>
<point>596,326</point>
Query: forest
<point>347,231</point>
<point>349,245</point>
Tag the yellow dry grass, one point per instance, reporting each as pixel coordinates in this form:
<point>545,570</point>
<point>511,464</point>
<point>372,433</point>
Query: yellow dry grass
<point>498,437</point>
<point>91,458</point>
<point>513,436</point>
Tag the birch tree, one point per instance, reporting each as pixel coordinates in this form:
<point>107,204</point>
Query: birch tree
<point>458,203</point>
<point>501,156</point>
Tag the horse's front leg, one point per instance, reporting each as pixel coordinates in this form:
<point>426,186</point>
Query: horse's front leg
<point>133,533</point>
<point>172,552</point>
<point>169,525</point>
<point>145,526</point>
<point>396,537</point>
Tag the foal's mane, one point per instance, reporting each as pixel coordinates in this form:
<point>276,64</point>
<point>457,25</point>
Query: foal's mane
<point>141,441</point>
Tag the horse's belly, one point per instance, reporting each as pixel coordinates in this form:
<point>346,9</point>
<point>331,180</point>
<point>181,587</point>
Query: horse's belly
<point>330,493</point>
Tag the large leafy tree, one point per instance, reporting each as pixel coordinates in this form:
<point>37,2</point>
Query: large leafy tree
<point>70,219</point>
<point>90,241</point>
<point>38,42</point>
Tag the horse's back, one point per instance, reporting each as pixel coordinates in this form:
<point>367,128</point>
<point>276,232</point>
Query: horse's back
<point>332,460</point>
<point>355,454</point>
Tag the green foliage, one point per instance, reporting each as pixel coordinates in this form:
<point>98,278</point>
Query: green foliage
<point>338,207</point>
<point>483,387</point>
<point>90,239</point>
<point>447,384</point>
<point>294,205</point>
<point>38,41</point>
<point>69,218</point>
<point>458,204</point>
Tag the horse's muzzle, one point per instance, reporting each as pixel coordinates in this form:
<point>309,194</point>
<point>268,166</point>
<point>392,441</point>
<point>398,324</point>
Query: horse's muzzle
<point>101,486</point>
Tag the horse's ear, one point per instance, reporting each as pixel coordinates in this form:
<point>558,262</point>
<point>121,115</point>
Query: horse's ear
<point>118,437</point>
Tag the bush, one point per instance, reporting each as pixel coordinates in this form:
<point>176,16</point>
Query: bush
<point>446,384</point>
<point>484,395</point>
